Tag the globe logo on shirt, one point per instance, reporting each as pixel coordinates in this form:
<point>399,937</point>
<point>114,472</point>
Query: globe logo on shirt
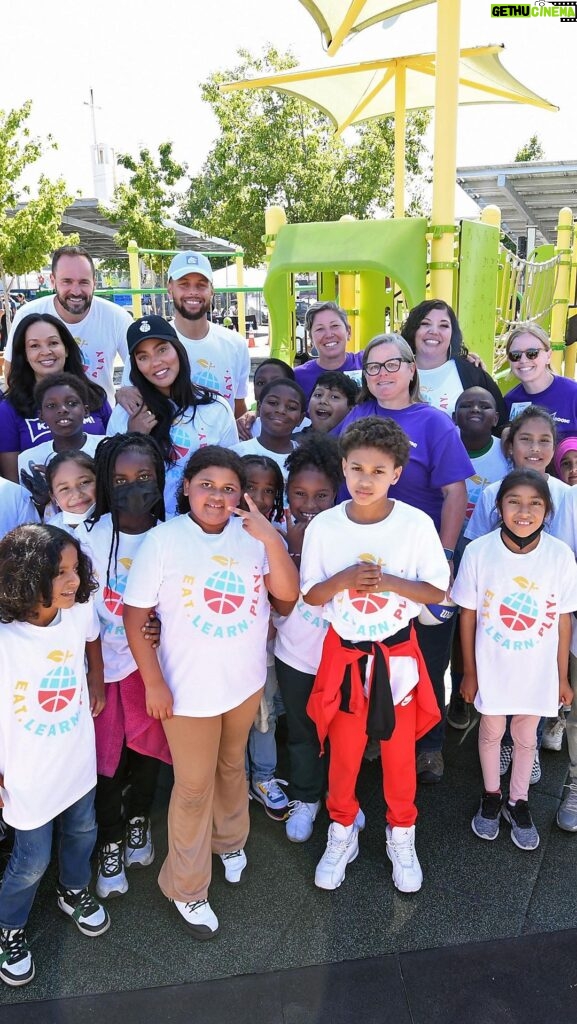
<point>367,604</point>
<point>224,591</point>
<point>113,594</point>
<point>205,376</point>
<point>180,442</point>
<point>518,611</point>
<point>58,687</point>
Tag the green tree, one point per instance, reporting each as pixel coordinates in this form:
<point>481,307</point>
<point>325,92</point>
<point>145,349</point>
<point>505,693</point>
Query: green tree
<point>142,204</point>
<point>29,230</point>
<point>531,150</point>
<point>273,148</point>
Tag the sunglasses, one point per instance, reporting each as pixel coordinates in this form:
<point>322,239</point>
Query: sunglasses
<point>531,353</point>
<point>390,365</point>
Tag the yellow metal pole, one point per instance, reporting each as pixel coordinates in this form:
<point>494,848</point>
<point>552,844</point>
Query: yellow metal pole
<point>400,124</point>
<point>240,299</point>
<point>347,301</point>
<point>445,149</point>
<point>561,294</point>
<point>134,270</point>
<point>570,351</point>
<point>274,219</point>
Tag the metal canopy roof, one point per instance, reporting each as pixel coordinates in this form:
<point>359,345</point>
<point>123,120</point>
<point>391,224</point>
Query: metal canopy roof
<point>528,194</point>
<point>97,232</point>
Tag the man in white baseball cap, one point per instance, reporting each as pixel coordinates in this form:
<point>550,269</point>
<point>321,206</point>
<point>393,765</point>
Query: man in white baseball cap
<point>219,358</point>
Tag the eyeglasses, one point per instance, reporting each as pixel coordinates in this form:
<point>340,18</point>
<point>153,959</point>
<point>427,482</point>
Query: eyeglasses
<point>531,353</point>
<point>390,365</point>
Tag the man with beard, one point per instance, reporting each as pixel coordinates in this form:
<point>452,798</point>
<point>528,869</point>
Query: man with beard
<point>98,326</point>
<point>219,358</point>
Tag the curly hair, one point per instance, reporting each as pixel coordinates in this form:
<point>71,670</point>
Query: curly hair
<point>378,432</point>
<point>211,455</point>
<point>105,458</point>
<point>22,380</point>
<point>61,380</point>
<point>29,562</point>
<point>418,313</point>
<point>320,452</point>
<point>270,466</point>
<point>167,409</point>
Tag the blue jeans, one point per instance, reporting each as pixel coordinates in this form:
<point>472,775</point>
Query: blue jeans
<point>31,856</point>
<point>261,747</point>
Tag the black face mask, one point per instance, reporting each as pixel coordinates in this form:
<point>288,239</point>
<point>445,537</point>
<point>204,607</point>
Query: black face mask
<point>521,542</point>
<point>136,499</point>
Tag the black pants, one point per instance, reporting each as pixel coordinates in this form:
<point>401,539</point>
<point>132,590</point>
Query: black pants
<point>112,811</point>
<point>308,770</point>
<point>435,643</point>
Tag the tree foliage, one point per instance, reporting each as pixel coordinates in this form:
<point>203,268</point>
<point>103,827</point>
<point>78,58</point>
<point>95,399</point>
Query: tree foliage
<point>27,235</point>
<point>273,148</point>
<point>531,150</point>
<point>143,203</point>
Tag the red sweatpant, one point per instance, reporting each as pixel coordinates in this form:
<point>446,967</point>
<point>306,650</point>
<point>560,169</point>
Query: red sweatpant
<point>348,740</point>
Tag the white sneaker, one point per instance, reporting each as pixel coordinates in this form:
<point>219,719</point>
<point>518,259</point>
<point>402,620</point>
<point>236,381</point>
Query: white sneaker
<point>299,826</point>
<point>111,880</point>
<point>234,865</point>
<point>342,848</point>
<point>199,918</point>
<point>553,733</point>
<point>407,874</point>
<point>138,848</point>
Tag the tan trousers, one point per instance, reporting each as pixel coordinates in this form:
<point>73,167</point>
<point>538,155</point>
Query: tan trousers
<point>208,810</point>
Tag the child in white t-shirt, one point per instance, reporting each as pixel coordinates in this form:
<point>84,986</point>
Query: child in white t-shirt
<point>47,760</point>
<point>282,406</point>
<point>517,587</point>
<point>208,572</point>
<point>129,503</point>
<point>71,482</point>
<point>372,563</point>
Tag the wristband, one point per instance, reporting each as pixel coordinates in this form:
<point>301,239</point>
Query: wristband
<point>449,554</point>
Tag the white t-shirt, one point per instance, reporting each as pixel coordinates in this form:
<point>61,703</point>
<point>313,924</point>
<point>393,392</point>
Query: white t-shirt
<point>101,336</point>
<point>220,361</point>
<point>118,660</point>
<point>486,518</point>
<point>441,387</point>
<point>16,507</point>
<point>47,753</point>
<point>564,526</point>
<point>518,599</point>
<point>43,453</point>
<point>254,447</point>
<point>405,544</point>
<point>490,466</point>
<point>212,424</point>
<point>211,597</point>
<point>299,637</point>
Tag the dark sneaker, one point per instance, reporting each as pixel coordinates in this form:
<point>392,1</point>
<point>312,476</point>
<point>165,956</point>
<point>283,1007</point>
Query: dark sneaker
<point>16,963</point>
<point>485,824</point>
<point>505,758</point>
<point>567,813</point>
<point>111,879</point>
<point>523,832</point>
<point>459,712</point>
<point>88,914</point>
<point>138,847</point>
<point>430,766</point>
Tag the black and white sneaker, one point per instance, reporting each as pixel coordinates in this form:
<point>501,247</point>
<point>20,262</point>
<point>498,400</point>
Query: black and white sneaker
<point>138,848</point>
<point>111,880</point>
<point>16,963</point>
<point>88,914</point>
<point>199,918</point>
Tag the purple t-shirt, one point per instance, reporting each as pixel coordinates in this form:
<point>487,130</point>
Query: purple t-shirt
<point>308,374</point>
<point>438,456</point>
<point>17,433</point>
<point>560,399</point>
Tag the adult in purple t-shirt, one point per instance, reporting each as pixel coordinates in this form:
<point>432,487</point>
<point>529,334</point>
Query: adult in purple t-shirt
<point>42,345</point>
<point>433,480</point>
<point>528,350</point>
<point>329,331</point>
